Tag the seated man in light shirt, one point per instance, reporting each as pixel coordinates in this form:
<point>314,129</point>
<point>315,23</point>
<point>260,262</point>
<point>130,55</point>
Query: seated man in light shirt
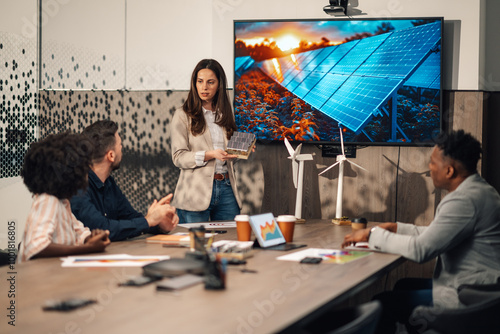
<point>464,235</point>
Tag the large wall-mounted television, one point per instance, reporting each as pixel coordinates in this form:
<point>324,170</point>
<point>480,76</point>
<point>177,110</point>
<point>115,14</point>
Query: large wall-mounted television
<point>379,80</point>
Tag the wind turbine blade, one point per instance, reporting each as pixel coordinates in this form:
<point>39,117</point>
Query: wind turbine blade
<point>335,164</point>
<point>355,164</point>
<point>289,147</point>
<point>297,150</point>
<point>295,168</point>
<point>303,157</point>
<point>342,141</point>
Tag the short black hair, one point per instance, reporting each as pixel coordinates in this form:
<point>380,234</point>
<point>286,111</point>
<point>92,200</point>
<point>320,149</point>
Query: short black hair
<point>57,165</point>
<point>462,147</point>
<point>102,136</point>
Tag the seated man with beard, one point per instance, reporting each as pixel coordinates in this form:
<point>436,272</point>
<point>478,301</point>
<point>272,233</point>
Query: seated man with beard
<point>103,205</point>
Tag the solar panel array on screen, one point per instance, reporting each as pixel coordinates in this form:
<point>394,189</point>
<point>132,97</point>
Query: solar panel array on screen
<point>357,99</point>
<point>295,73</point>
<point>350,81</point>
<point>357,56</point>
<point>401,52</point>
<point>339,52</point>
<point>326,87</point>
<point>241,144</point>
<point>242,63</point>
<point>309,83</point>
<point>428,75</point>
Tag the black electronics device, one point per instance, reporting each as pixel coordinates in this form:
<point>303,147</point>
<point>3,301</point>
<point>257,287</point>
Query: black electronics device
<point>179,282</point>
<point>175,267</point>
<point>66,305</point>
<point>139,280</point>
<point>311,260</point>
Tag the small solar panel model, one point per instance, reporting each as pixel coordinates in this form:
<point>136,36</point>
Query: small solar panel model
<point>241,144</point>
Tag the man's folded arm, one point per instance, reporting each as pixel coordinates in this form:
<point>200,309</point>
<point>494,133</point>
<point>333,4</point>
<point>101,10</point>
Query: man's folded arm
<point>119,229</point>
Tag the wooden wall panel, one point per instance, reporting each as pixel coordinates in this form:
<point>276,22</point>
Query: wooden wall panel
<point>417,198</point>
<point>372,194</point>
<point>467,112</point>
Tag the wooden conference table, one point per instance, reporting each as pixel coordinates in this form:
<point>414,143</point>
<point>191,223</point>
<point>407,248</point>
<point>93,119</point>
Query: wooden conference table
<point>269,301</point>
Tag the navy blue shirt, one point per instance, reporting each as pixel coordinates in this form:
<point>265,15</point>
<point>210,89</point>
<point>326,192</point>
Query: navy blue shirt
<point>104,206</point>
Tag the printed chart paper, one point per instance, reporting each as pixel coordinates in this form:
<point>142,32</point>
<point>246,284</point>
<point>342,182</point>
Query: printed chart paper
<point>339,256</point>
<point>113,260</point>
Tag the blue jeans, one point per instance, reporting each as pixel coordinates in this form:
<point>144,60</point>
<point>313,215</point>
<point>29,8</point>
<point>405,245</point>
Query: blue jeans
<point>223,206</point>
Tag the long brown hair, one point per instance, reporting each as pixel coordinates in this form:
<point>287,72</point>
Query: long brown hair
<point>192,107</point>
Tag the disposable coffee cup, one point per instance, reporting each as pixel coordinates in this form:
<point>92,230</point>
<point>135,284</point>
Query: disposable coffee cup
<point>243,228</point>
<point>287,226</point>
<point>358,224</point>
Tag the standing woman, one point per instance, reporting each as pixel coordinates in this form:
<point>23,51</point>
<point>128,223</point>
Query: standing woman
<point>206,189</point>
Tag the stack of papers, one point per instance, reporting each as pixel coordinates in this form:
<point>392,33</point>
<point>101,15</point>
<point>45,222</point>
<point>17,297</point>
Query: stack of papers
<point>111,260</point>
<point>211,225</point>
<point>362,246</point>
<point>339,256</point>
<point>177,239</point>
<point>233,249</point>
<point>180,239</point>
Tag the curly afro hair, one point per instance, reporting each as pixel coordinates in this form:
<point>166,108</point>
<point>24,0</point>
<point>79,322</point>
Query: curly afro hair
<point>461,147</point>
<point>57,165</point>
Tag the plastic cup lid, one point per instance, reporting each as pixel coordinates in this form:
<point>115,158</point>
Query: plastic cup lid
<point>286,218</point>
<point>242,218</point>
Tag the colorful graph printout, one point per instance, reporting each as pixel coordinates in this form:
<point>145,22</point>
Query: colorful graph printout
<point>111,260</point>
<point>269,231</point>
<point>266,230</point>
<point>339,256</point>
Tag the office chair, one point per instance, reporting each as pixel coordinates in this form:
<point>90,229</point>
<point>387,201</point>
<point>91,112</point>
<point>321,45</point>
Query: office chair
<point>480,315</point>
<point>361,319</point>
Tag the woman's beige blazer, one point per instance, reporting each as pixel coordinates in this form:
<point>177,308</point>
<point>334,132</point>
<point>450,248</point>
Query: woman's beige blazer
<point>194,187</point>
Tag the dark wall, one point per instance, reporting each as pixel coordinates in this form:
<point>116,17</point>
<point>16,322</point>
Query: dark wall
<point>492,139</point>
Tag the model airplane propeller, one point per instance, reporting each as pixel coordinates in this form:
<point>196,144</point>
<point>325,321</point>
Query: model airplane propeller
<point>298,173</point>
<point>340,187</point>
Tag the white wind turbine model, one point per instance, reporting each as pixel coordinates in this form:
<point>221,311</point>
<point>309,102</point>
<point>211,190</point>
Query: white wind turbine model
<point>340,186</point>
<point>298,173</point>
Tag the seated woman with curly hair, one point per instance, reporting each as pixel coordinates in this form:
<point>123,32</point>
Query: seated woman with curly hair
<point>54,169</point>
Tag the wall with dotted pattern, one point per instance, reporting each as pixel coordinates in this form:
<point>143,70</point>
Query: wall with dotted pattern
<point>147,171</point>
<point>18,99</point>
